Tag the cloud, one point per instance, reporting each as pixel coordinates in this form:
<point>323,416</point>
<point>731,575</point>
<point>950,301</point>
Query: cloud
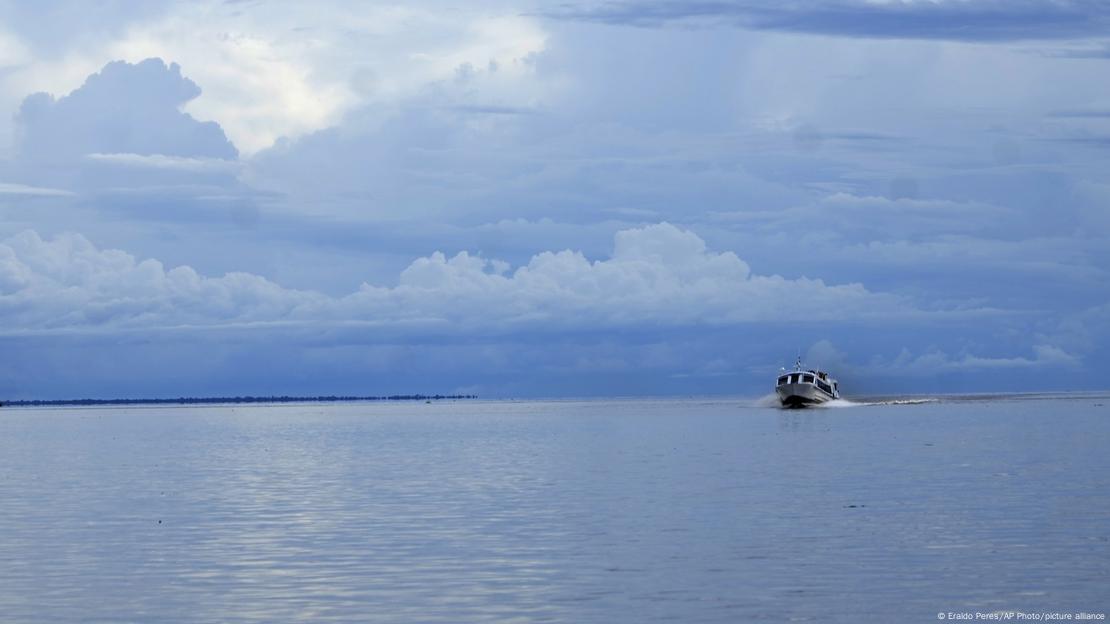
<point>68,283</point>
<point>928,364</point>
<point>24,190</point>
<point>50,24</point>
<point>13,52</point>
<point>480,109</point>
<point>937,362</point>
<point>876,218</point>
<point>1097,142</point>
<point>124,108</point>
<point>1081,114</point>
<point>823,354</point>
<point>661,306</point>
<point>161,161</point>
<point>979,20</point>
<point>286,69</point>
<point>1085,52</point>
<point>658,275</point>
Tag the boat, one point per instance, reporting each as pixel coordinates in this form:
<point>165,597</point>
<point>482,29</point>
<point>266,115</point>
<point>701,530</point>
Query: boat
<point>801,387</point>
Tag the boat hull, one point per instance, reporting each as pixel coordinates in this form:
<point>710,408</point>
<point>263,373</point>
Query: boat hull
<point>802,395</point>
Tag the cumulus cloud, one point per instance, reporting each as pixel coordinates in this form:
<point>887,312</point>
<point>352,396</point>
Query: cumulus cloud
<point>125,108</point>
<point>824,354</point>
<point>285,69</point>
<point>67,283</point>
<point>656,275</point>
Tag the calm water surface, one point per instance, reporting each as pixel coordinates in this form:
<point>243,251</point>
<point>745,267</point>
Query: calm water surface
<point>593,511</point>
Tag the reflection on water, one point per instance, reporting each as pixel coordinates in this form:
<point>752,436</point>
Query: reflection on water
<point>710,511</point>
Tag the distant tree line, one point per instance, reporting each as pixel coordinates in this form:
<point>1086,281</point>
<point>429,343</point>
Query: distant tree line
<point>241,399</point>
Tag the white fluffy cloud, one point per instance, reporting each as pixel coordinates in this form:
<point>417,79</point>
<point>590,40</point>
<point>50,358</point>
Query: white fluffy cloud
<point>67,283</point>
<point>286,69</point>
<point>657,275</point>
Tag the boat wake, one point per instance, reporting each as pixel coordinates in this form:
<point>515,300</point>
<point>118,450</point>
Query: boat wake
<point>871,402</point>
<point>772,400</point>
<point>768,400</point>
<point>840,403</point>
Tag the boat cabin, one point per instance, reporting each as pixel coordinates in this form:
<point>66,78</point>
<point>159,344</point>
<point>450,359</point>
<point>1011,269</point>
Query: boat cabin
<point>818,378</point>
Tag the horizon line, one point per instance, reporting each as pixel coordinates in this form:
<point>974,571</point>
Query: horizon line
<point>333,398</point>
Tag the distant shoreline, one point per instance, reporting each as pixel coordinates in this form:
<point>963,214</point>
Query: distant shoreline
<point>237,399</point>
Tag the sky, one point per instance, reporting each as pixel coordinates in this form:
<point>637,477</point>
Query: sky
<point>530,199</point>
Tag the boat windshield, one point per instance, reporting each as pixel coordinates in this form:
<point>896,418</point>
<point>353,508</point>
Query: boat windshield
<point>807,379</point>
<point>782,380</point>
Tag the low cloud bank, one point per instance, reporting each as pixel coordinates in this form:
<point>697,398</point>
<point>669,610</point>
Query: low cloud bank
<point>656,275</point>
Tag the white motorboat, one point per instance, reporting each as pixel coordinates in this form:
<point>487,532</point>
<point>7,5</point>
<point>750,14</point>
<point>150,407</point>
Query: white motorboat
<point>801,387</point>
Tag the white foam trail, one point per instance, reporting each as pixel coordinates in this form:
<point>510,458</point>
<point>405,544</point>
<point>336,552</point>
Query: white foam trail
<point>772,400</point>
<point>847,403</point>
<point>767,400</point>
<point>906,402</point>
<point>842,403</point>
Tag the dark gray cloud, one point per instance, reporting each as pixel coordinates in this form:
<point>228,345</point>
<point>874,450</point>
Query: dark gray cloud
<point>120,144</point>
<point>983,20</point>
<point>125,108</point>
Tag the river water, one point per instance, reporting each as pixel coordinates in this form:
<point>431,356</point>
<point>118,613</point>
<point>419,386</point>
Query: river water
<point>720,510</point>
